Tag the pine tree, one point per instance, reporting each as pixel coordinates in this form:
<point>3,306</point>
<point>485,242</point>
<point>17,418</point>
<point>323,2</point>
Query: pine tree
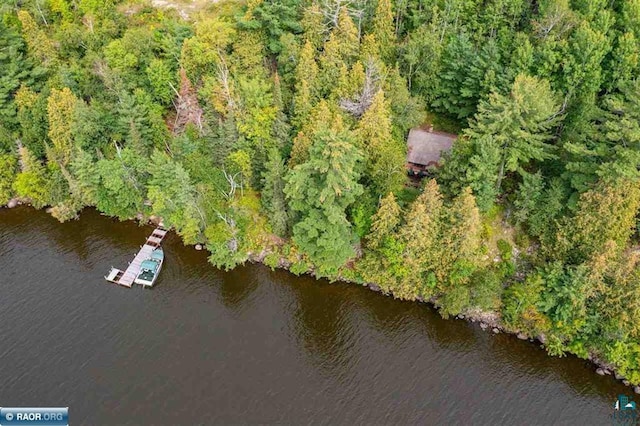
<point>306,94</point>
<point>421,235</point>
<point>32,116</point>
<point>461,239</point>
<point>605,213</point>
<point>86,177</point>
<point>320,190</point>
<point>61,107</point>
<point>8,169</point>
<point>273,198</point>
<point>313,26</point>
<point>16,70</point>
<point>383,29</point>
<point>513,131</point>
<point>320,117</point>
<point>40,47</point>
<point>384,222</point>
<point>341,49</point>
<point>281,129</point>
<point>385,156</point>
<point>31,182</point>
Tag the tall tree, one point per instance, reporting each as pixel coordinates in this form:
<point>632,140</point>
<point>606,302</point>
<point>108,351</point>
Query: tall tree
<point>61,107</point>
<point>320,190</point>
<point>517,127</point>
<point>273,198</point>
<point>385,155</point>
<point>31,182</point>
<point>421,234</point>
<point>384,30</point>
<point>8,169</point>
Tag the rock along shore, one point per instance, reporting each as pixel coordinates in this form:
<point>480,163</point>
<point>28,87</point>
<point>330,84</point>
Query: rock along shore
<point>487,321</point>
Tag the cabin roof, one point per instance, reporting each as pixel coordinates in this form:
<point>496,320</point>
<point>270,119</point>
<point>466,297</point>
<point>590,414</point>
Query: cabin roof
<point>426,147</point>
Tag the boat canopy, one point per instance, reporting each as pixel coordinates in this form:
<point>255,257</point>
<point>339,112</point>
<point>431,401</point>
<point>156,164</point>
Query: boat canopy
<point>149,265</point>
<point>157,254</point>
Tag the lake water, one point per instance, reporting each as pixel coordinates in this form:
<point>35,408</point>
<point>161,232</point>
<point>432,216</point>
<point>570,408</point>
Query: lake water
<point>251,346</point>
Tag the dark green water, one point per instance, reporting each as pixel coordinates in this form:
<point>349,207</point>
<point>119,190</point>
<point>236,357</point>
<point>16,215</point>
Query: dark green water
<point>251,345</point>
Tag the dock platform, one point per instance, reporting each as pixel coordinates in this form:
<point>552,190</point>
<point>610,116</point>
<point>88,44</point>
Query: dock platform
<point>125,278</point>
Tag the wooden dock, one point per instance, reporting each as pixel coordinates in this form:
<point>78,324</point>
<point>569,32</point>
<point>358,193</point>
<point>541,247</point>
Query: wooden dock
<point>126,277</point>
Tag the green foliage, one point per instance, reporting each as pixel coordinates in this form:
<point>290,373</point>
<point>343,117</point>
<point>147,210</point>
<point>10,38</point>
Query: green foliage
<point>272,260</point>
<point>507,135</point>
<point>385,155</point>
<point>8,167</point>
<point>319,191</point>
<point>121,192</point>
<point>222,242</point>
<point>135,110</point>
<point>173,197</point>
<point>273,197</point>
<point>162,80</point>
<point>299,267</point>
<point>520,310</point>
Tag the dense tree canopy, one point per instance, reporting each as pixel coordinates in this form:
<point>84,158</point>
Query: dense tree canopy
<point>277,130</point>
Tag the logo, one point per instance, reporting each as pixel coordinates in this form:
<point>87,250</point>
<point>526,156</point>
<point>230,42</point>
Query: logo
<point>625,412</point>
<point>21,416</point>
<point>624,403</point>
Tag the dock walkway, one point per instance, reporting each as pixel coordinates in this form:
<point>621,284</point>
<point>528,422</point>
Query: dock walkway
<point>126,277</point>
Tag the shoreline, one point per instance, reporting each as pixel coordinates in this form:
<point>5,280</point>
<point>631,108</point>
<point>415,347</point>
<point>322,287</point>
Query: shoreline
<point>487,321</point>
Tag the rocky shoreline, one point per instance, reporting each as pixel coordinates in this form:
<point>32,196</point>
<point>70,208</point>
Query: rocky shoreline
<point>487,321</point>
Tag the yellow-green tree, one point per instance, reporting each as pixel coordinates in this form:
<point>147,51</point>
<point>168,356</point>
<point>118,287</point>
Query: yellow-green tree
<point>40,46</point>
<point>306,74</point>
<point>461,240</point>
<point>385,155</point>
<point>8,166</point>
<point>31,182</point>
<point>421,234</point>
<point>383,29</point>
<point>384,222</point>
<point>605,213</point>
<point>61,107</point>
<point>320,117</point>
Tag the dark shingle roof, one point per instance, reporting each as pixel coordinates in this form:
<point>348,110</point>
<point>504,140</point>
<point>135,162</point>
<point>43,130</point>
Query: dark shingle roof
<point>426,148</point>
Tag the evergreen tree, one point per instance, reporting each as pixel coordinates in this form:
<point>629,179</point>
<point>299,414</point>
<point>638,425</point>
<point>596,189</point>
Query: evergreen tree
<point>273,198</point>
<point>306,90</point>
<point>61,107</point>
<point>461,239</point>
<point>31,182</point>
<point>32,116</point>
<point>320,190</point>
<point>8,168</point>
<point>606,213</point>
<point>420,235</point>
<point>172,197</point>
<point>384,222</point>
<point>385,156</point>
<point>514,130</point>
<point>383,29</point>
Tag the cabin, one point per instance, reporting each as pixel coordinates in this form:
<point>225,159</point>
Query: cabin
<point>425,148</point>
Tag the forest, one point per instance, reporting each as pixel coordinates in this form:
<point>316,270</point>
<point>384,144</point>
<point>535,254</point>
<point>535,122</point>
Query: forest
<point>276,129</point>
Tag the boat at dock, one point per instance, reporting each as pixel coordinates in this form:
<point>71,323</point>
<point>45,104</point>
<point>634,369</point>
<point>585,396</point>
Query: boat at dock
<point>150,268</point>
<point>146,265</point>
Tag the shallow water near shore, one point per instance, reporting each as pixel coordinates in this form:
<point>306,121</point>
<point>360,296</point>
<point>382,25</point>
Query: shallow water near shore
<point>252,345</point>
